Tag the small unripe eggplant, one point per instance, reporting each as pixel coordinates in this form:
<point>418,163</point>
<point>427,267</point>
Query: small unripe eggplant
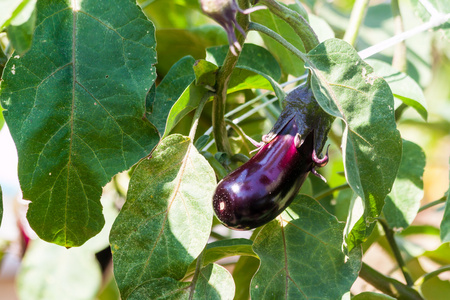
<point>259,190</point>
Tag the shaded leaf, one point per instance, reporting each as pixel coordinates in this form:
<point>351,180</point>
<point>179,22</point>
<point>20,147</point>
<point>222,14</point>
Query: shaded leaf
<point>49,271</point>
<point>166,220</point>
<point>403,202</point>
<point>445,223</point>
<point>173,85</point>
<point>20,31</point>
<point>402,86</point>
<point>177,43</point>
<point>289,63</point>
<point>346,87</point>
<point>301,255</point>
<point>214,282</point>
<point>256,68</point>
<point>222,249</point>
<point>74,104</point>
<point>243,273</point>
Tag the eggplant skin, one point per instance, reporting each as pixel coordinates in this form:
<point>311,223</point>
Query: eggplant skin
<point>259,190</point>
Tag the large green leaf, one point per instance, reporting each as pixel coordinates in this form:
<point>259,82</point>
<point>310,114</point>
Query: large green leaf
<point>173,85</point>
<point>166,220</point>
<point>445,223</point>
<point>346,87</point>
<point>51,272</point>
<point>403,202</point>
<point>288,62</point>
<point>402,86</point>
<point>74,105</point>
<point>301,255</point>
<point>214,282</point>
<point>256,68</point>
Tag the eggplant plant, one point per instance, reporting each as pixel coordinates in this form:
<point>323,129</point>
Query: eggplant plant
<point>226,149</point>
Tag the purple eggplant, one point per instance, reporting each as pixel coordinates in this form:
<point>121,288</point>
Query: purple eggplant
<point>259,190</point>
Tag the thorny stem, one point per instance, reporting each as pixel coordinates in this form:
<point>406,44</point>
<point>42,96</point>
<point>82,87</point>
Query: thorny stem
<point>388,285</point>
<point>223,77</point>
<point>358,13</point>
<point>394,247</point>
<point>296,21</point>
<point>399,58</point>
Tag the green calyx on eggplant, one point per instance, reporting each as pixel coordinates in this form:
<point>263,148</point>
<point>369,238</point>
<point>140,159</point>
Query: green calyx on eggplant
<point>259,190</point>
<point>224,12</point>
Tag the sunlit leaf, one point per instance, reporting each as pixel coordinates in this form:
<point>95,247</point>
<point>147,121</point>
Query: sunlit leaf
<point>214,282</point>
<point>439,6</point>
<point>301,256</point>
<point>1,206</point>
<point>403,202</point>
<point>346,87</point>
<point>403,87</point>
<point>74,104</point>
<point>12,9</point>
<point>48,271</point>
<point>166,220</point>
<point>222,249</point>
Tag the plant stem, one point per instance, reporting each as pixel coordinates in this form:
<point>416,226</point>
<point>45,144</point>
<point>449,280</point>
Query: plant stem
<point>433,22</point>
<point>433,203</point>
<point>388,285</point>
<point>331,191</point>
<point>399,58</point>
<point>358,13</point>
<point>198,268</point>
<point>223,77</point>
<point>269,32</point>
<point>197,115</point>
<point>394,247</point>
<point>296,21</point>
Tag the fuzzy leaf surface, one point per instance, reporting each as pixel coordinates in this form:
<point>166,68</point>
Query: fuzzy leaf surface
<point>403,202</point>
<point>403,87</point>
<point>74,104</point>
<point>346,87</point>
<point>301,255</point>
<point>166,220</point>
<point>214,282</point>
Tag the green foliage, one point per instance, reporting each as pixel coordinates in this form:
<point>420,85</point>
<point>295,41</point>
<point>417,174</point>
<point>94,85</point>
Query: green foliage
<point>165,223</point>
<point>346,87</point>
<point>445,224</point>
<point>292,267</point>
<point>74,104</point>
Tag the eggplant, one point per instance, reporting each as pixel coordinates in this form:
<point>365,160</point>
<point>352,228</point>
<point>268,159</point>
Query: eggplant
<point>262,188</point>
